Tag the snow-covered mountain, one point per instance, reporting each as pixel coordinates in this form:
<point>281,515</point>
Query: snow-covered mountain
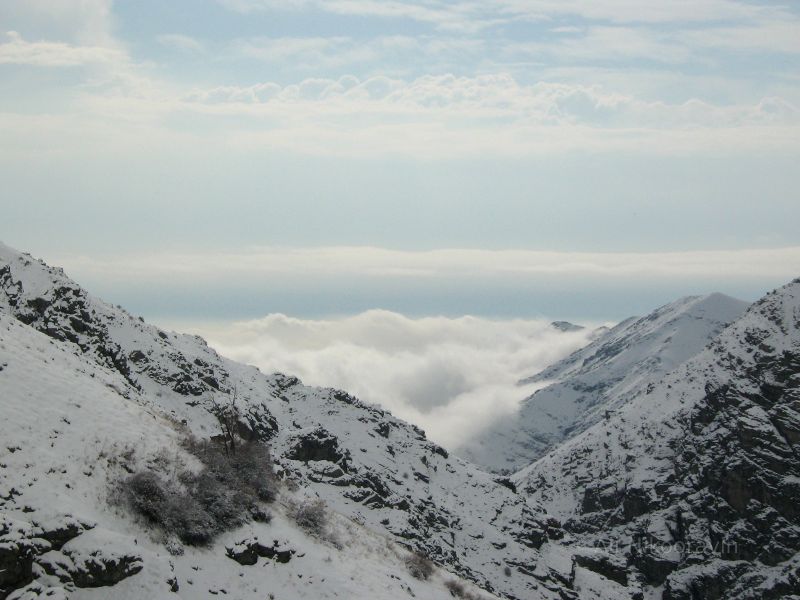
<point>686,488</point>
<point>83,381</point>
<point>691,487</point>
<point>596,380</point>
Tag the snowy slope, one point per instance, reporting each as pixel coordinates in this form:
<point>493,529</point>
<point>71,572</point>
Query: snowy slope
<point>70,428</point>
<point>692,485</point>
<point>601,377</point>
<point>368,466</point>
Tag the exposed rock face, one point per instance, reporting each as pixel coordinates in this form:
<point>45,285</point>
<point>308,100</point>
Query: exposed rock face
<point>247,552</point>
<point>566,326</point>
<point>55,551</point>
<point>317,445</point>
<point>602,564</point>
<point>98,570</point>
<point>58,307</point>
<point>694,483</point>
<point>16,565</point>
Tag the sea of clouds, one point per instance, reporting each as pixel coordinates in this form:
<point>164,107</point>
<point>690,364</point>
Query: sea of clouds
<point>450,376</point>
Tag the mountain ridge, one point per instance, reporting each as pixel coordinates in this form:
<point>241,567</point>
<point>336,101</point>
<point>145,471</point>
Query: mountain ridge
<point>694,480</point>
<point>687,489</point>
<point>364,463</point>
<point>579,389</point>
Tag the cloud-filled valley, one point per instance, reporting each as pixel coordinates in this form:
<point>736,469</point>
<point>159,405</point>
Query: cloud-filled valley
<point>450,376</point>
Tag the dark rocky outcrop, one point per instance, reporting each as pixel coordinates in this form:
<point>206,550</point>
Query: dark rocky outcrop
<point>603,564</point>
<point>98,570</point>
<point>248,551</point>
<point>28,550</point>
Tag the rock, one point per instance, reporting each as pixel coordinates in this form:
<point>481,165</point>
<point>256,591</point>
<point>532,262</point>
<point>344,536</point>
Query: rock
<point>57,565</point>
<point>38,589</point>
<point>247,552</point>
<point>280,551</point>
<point>101,558</point>
<point>17,551</point>
<point>60,530</point>
<point>655,568</point>
<point>16,565</point>
<point>709,582</point>
<point>316,445</point>
<point>602,564</point>
<point>99,569</point>
<point>244,553</point>
<point>600,496</point>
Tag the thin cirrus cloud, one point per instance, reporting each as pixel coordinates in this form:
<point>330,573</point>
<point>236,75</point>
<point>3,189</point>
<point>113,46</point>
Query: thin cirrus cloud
<point>15,50</point>
<point>476,15</point>
<point>183,43</point>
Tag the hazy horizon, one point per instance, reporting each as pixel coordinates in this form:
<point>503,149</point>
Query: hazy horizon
<point>211,165</point>
<point>146,129</point>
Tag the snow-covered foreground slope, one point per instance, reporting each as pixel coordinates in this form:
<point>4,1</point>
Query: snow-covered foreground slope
<point>688,487</point>
<point>600,378</point>
<point>70,429</point>
<point>368,466</point>
<point>692,486</point>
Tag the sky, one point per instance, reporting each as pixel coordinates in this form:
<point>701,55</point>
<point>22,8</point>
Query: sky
<point>252,126</point>
<point>160,134</point>
<point>396,196</point>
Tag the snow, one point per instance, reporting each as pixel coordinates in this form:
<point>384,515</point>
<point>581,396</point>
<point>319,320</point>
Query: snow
<point>67,423</point>
<point>598,379</point>
<point>639,446</point>
<point>90,393</point>
<point>115,386</point>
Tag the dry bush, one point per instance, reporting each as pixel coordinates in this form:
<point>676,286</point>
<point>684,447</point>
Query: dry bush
<point>311,516</point>
<point>457,590</point>
<point>195,507</point>
<point>419,566</point>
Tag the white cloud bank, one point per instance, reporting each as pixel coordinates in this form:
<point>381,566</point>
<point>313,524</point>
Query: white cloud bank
<point>452,377</point>
<point>373,262</point>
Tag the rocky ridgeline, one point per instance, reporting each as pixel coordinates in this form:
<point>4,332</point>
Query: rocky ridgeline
<point>693,486</point>
<point>593,382</point>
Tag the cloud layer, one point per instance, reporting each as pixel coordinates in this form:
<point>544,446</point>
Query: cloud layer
<point>451,377</point>
<point>382,263</point>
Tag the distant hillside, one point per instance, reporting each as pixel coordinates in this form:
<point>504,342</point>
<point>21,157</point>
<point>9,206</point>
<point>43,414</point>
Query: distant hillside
<point>601,377</point>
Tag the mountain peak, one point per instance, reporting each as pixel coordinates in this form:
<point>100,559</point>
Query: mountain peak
<point>579,390</point>
<point>705,458</point>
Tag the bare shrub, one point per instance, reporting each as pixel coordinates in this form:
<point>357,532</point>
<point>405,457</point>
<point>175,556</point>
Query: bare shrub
<point>419,566</point>
<point>147,493</point>
<point>457,590</point>
<point>228,418</point>
<point>164,504</point>
<point>195,507</point>
<point>311,516</point>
